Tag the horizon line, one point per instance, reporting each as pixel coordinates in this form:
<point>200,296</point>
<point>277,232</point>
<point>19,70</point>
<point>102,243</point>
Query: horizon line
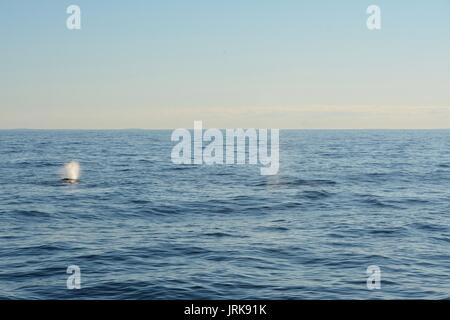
<point>166,129</point>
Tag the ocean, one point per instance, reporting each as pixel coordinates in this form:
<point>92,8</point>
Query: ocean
<point>140,227</point>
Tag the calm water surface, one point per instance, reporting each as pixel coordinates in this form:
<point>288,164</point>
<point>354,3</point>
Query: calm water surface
<point>141,227</point>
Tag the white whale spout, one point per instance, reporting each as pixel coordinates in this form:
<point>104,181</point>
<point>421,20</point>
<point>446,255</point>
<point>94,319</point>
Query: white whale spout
<point>71,171</point>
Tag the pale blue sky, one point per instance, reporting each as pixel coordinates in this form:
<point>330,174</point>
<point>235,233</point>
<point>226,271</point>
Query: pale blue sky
<point>235,63</point>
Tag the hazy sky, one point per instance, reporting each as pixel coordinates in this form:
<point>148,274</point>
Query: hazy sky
<point>233,63</point>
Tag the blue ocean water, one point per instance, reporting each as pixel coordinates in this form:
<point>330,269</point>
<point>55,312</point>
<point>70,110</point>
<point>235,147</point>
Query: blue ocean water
<point>140,227</point>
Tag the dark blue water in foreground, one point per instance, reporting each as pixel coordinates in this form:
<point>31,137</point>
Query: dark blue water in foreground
<point>141,227</point>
